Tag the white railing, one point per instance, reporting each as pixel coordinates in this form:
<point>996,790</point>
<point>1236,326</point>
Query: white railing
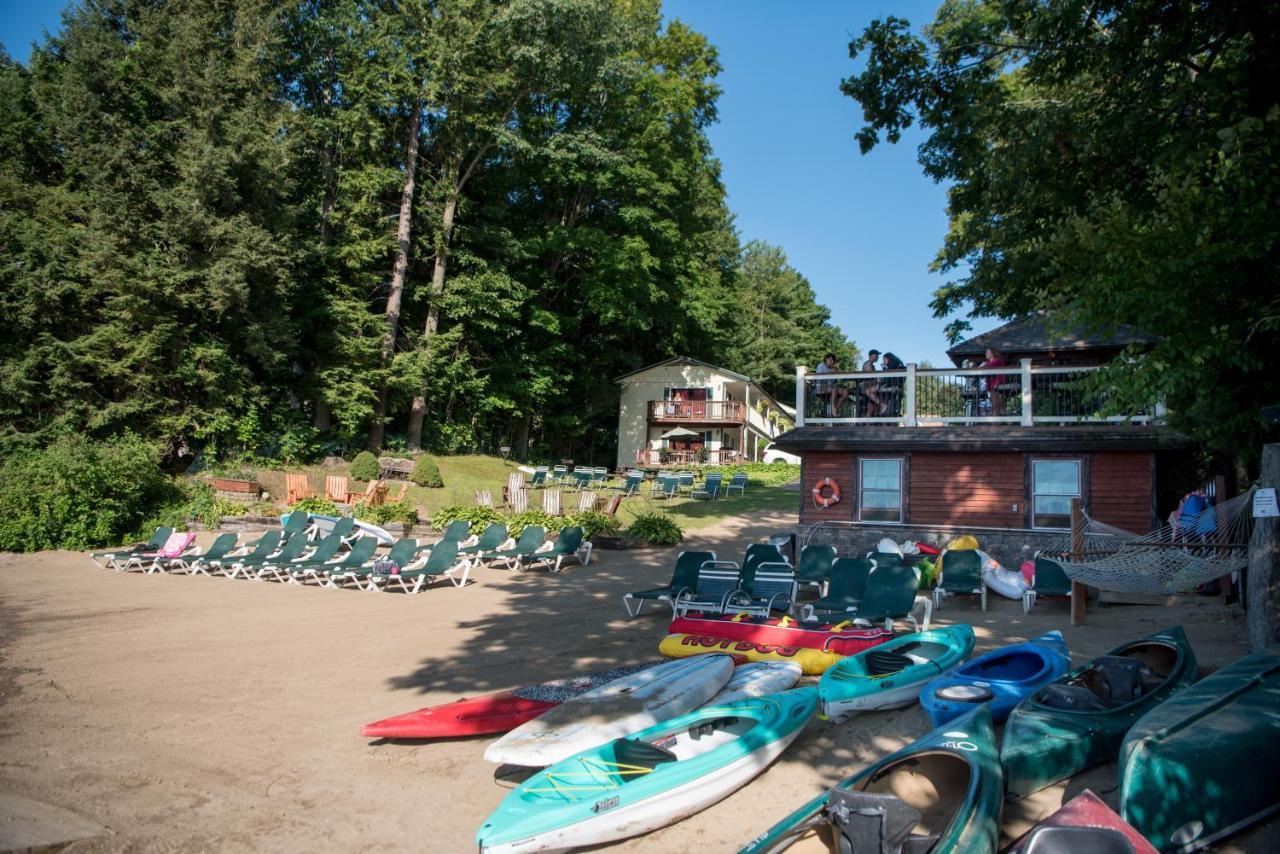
<point>920,397</point>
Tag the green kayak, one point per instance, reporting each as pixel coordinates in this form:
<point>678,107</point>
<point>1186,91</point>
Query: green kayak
<point>1079,720</point>
<point>941,794</point>
<point>1202,764</point>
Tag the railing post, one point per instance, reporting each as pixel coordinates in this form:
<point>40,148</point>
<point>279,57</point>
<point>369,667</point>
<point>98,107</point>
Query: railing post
<point>1027,420</point>
<point>909,403</point>
<point>801,370</point>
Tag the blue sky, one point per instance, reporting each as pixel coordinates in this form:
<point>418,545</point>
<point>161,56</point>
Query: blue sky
<point>862,229</point>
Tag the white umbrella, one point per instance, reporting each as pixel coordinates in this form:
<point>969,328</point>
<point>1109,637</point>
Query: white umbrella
<point>679,433</point>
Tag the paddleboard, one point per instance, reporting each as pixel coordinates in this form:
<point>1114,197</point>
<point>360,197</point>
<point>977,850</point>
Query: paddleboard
<point>757,679</point>
<point>813,662</point>
<point>614,710</point>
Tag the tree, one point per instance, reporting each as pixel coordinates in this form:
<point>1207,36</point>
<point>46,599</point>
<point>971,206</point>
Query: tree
<point>1110,163</point>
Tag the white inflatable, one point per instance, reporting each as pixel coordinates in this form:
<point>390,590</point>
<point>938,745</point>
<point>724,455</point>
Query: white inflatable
<point>888,546</point>
<point>1009,583</point>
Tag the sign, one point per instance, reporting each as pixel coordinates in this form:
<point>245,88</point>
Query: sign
<point>1264,503</point>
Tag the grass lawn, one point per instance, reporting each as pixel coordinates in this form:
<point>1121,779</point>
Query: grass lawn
<point>692,514</point>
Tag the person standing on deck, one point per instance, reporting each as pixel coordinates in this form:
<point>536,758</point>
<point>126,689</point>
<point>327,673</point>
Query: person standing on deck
<point>870,387</point>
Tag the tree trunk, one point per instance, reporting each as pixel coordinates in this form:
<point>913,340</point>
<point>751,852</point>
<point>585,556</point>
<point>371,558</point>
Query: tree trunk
<point>522,440</point>
<point>1264,564</point>
<point>399,272</point>
<point>320,418</point>
<point>419,408</point>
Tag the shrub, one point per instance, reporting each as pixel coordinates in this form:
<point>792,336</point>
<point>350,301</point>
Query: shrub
<point>655,528</point>
<point>364,467</point>
<point>593,523</point>
<point>477,516</point>
<point>319,506</point>
<point>383,514</point>
<point>426,473</point>
<point>517,522</point>
<point>759,474</point>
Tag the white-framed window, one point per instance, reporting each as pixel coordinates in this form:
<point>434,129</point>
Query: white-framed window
<point>880,490</point>
<point>1053,484</point>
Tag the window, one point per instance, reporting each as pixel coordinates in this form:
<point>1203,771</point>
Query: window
<point>1053,484</point>
<point>880,488</point>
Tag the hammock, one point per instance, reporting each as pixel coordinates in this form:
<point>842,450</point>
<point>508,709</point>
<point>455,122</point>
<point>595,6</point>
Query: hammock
<point>1207,546</point>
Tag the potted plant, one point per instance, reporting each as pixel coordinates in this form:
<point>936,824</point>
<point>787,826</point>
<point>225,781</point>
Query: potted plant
<point>234,478</point>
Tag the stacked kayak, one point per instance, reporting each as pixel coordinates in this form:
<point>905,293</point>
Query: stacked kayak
<point>843,638</point>
<point>890,675</point>
<point>618,709</point>
<point>1202,764</point>
<point>812,661</point>
<point>1002,677</point>
<point>1083,824</point>
<point>941,794</point>
<point>1080,719</point>
<point>324,525</point>
<point>629,786</point>
<point>756,680</point>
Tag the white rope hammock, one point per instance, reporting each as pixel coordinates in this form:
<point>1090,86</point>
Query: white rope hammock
<point>1208,546</point>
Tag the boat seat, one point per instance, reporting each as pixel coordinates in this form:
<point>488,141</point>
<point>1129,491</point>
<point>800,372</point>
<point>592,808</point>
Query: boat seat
<point>882,663</point>
<point>868,821</point>
<point>641,754</point>
<point>1068,840</point>
<point>1122,680</point>
<point>1074,698</point>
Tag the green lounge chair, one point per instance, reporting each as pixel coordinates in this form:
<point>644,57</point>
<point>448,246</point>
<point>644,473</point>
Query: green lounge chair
<point>844,591</point>
<point>684,481</point>
<point>443,561</point>
<point>152,545</point>
<point>295,572</point>
<point>456,531</point>
<point>738,482</point>
<point>891,595</point>
<point>362,551</point>
<point>815,565</point>
<point>684,577</point>
<point>961,576</point>
<point>632,483</point>
<point>710,487</point>
<point>512,551</point>
<point>251,567</point>
<point>220,548</point>
<point>665,486</point>
<point>539,478</point>
<point>403,553</point>
<point>883,559</point>
<point>295,523</point>
<point>757,556</point>
<point>267,544</point>
<point>1051,580</point>
<point>568,545</point>
<point>492,538</point>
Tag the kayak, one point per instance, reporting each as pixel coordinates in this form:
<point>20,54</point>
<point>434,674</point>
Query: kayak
<point>843,638</point>
<point>493,713</point>
<point>1002,677</point>
<point>1202,764</point>
<point>1079,720</point>
<point>1009,583</point>
<point>324,524</point>
<point>890,675</point>
<point>941,794</point>
<point>613,710</point>
<point>1084,824</point>
<point>812,661</point>
<point>664,773</point>
<point>756,680</point>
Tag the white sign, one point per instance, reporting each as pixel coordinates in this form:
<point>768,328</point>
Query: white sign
<point>1264,503</point>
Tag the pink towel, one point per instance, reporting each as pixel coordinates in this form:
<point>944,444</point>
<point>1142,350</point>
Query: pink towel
<point>176,545</point>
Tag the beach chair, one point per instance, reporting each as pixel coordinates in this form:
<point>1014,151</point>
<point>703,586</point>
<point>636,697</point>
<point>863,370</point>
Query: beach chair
<point>108,558</point>
<point>403,553</point>
<point>716,584</point>
<point>710,487</point>
<point>299,570</point>
<point>738,482</point>
<point>815,565</point>
<point>484,498</point>
<point>632,483</point>
<point>1050,580</point>
<point>539,478</point>
<point>587,501</point>
<point>442,561</point>
<point>520,501</point>
<point>295,549</point>
<point>335,489</point>
<point>267,544</point>
<point>551,502</point>
<point>512,551</point>
<point>493,536</point>
<point>891,595</point>
<point>455,532</point>
<point>568,545</point>
<point>557,474</point>
<point>177,544</point>
<point>297,488</point>
<point>611,506</point>
<point>665,486</point>
<point>772,588</point>
<point>884,559</point>
<point>600,475</point>
<point>362,551</point>
<point>295,524</point>
<point>371,497</point>
<point>844,591</point>
<point>224,544</point>
<point>684,481</point>
<point>683,577</point>
<point>759,555</point>
<point>961,576</point>
<point>396,499</point>
<point>515,481</point>
<point>582,478</point>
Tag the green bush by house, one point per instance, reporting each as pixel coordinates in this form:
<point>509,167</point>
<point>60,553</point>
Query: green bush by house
<point>364,466</point>
<point>426,473</point>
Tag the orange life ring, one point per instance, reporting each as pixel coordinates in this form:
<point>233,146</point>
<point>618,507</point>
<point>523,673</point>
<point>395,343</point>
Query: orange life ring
<point>826,500</point>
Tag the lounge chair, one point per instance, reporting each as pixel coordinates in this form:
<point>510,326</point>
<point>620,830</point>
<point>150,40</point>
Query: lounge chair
<point>335,489</point>
<point>684,481</point>
<point>297,488</point>
<point>178,544</point>
<point>600,475</point>
<point>844,591</point>
<point>456,531</point>
<point>107,559</point>
<point>296,523</point>
<point>757,556</point>
<point>710,487</point>
<point>891,595</point>
<point>772,588</point>
<point>884,559</point>
<point>512,551</point>
<point>491,538</point>
<point>557,474</point>
<point>815,565</point>
<point>267,544</point>
<point>715,587</point>
<point>247,565</point>
<point>961,575</point>
<point>224,544</point>
<point>443,561</point>
<point>484,498</point>
<point>587,501</point>
<point>551,502</point>
<point>538,479</point>
<point>403,553</point>
<point>632,483</point>
<point>1050,580</point>
<point>666,486</point>
<point>362,551</point>
<point>738,482</point>
<point>568,545</point>
<point>582,478</point>
<point>683,577</point>
<point>297,571</point>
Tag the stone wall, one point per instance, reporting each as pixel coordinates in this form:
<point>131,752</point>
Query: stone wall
<point>1009,546</point>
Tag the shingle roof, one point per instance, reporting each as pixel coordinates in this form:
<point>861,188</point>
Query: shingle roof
<point>1032,335</point>
<point>979,438</point>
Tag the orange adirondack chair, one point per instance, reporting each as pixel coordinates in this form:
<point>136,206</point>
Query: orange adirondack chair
<point>335,488</point>
<point>297,488</point>
<point>371,496</point>
<point>396,499</point>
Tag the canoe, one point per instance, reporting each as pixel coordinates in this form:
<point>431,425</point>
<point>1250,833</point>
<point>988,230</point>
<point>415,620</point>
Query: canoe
<point>844,638</point>
<point>812,661</point>
<point>757,679</point>
<point>1079,720</point>
<point>614,710</point>
<point>941,794</point>
<point>493,713</point>
<point>1084,824</point>
<point>1202,764</point>
<point>890,675</point>
<point>1002,677</point>
<point>662,774</point>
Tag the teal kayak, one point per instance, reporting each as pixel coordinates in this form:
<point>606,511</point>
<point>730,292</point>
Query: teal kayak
<point>657,776</point>
<point>1202,764</point>
<point>889,675</point>
<point>942,794</point>
<point>1079,720</point>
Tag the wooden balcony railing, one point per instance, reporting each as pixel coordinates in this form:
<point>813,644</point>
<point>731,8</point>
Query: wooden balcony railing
<point>700,411</point>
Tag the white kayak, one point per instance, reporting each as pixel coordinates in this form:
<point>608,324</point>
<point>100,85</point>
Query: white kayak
<point>1009,583</point>
<point>615,710</point>
<point>324,524</point>
<point>757,679</point>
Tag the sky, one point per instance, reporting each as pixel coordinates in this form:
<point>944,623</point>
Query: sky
<point>862,229</point>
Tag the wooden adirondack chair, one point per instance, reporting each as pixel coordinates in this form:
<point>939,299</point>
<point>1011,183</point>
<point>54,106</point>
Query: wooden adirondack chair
<point>297,488</point>
<point>587,501</point>
<point>611,506</point>
<point>371,496</point>
<point>551,502</point>
<point>396,499</point>
<point>484,498</point>
<point>335,488</point>
<point>520,500</point>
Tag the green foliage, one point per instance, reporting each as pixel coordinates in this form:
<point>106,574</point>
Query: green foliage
<point>318,506</point>
<point>517,522</point>
<point>758,474</point>
<point>593,523</point>
<point>403,513</point>
<point>426,472</point>
<point>656,529</point>
<point>479,517</point>
<point>203,505</point>
<point>364,466</point>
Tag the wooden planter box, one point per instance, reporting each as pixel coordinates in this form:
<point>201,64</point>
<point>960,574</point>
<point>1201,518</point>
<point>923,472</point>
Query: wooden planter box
<point>602,541</point>
<point>227,484</point>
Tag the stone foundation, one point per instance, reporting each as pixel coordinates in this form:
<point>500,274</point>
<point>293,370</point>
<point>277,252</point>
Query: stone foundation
<point>1009,546</point>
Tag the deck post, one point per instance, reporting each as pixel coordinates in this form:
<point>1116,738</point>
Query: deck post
<point>909,402</point>
<point>1079,592</point>
<point>1027,419</point>
<point>801,370</point>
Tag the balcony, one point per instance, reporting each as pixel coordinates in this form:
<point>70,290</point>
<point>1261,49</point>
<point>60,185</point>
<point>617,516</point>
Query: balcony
<point>696,412</point>
<point>918,397</point>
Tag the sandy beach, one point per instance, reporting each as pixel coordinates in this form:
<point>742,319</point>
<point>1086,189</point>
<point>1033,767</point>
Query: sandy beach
<point>176,713</point>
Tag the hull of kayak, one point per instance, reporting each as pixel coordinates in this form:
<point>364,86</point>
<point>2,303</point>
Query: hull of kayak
<point>1043,744</point>
<point>1086,810</point>
<point>1202,764</point>
<point>1001,678</point>
<point>324,524</point>
<point>954,772</point>
<point>756,680</point>
<point>592,799</point>
<point>860,684</point>
<point>486,715</point>
<point>842,638</point>
<point>812,661</point>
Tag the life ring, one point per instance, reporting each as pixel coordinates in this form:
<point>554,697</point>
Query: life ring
<point>826,500</point>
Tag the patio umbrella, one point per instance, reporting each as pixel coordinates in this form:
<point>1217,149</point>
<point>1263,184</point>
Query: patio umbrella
<point>680,433</point>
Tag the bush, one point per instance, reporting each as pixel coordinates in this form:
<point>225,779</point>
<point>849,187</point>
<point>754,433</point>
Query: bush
<point>593,523</point>
<point>479,517</point>
<point>383,514</point>
<point>319,506</point>
<point>517,522</point>
<point>656,529</point>
<point>759,474</point>
<point>426,473</point>
<point>364,467</point>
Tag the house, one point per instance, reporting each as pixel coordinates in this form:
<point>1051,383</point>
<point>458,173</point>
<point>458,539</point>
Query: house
<point>999,453</point>
<point>682,411</point>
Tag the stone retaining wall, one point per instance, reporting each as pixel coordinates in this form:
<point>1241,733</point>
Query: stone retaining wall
<point>1011,547</point>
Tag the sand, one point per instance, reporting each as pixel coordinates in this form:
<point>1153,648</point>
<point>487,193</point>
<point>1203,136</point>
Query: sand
<point>142,713</point>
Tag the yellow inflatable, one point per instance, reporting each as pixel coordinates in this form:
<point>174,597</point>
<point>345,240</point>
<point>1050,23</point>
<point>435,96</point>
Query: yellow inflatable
<point>814,662</point>
<point>966,542</point>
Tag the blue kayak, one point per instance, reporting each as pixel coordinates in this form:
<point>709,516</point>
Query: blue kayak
<point>1002,678</point>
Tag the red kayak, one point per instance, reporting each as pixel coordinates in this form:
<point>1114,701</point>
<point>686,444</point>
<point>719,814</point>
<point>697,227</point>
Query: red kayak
<point>842,638</point>
<point>1083,815</point>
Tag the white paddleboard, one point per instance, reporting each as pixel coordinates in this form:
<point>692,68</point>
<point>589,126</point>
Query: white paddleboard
<point>615,710</point>
<point>756,680</point>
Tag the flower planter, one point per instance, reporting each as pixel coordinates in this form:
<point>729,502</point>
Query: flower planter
<point>230,484</point>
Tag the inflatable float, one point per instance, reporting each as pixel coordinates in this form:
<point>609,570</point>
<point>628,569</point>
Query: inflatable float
<point>812,661</point>
<point>1009,583</point>
<point>843,638</point>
